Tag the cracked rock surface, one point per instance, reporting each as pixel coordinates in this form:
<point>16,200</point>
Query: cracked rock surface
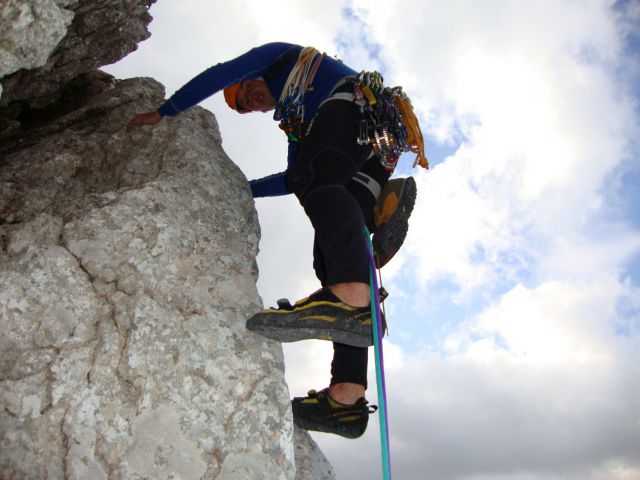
<point>31,31</point>
<point>127,271</point>
<point>46,43</point>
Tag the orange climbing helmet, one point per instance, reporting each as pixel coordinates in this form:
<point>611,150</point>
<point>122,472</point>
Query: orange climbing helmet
<point>231,97</point>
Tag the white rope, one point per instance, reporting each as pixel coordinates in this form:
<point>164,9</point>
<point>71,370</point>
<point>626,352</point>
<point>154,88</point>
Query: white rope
<point>301,76</point>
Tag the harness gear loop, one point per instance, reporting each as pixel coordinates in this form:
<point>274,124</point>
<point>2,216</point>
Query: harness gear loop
<point>391,126</point>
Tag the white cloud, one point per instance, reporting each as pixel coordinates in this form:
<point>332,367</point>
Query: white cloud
<point>576,257</point>
<point>556,323</point>
<point>285,260</point>
<point>307,366</point>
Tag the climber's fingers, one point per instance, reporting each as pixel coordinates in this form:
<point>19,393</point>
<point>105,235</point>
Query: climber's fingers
<point>148,118</point>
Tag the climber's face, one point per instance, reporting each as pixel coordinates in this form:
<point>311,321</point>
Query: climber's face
<point>254,96</point>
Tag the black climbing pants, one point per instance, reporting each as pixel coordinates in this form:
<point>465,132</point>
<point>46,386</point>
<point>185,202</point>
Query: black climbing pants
<point>328,158</point>
<point>339,208</point>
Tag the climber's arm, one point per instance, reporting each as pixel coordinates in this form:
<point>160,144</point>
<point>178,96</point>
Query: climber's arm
<point>250,65</point>
<point>271,186</point>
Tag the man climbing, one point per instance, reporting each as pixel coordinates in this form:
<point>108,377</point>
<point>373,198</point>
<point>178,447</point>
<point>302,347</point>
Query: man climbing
<point>342,183</point>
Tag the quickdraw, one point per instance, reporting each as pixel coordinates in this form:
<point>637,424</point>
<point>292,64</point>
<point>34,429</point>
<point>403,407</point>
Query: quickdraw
<point>390,126</point>
<point>290,108</point>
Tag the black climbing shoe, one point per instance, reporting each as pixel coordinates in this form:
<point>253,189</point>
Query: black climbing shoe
<point>391,215</point>
<point>320,413</point>
<point>321,316</point>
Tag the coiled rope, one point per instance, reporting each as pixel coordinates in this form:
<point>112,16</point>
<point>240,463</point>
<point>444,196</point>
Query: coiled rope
<point>299,82</point>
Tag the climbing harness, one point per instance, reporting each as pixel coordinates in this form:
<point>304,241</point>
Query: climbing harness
<point>367,181</point>
<point>390,125</point>
<point>377,342</point>
<point>290,108</point>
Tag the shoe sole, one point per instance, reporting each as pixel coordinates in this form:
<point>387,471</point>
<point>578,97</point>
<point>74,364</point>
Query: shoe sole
<point>390,238</point>
<point>290,327</point>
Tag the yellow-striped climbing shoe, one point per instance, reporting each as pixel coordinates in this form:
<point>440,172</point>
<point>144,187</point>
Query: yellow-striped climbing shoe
<point>321,413</point>
<point>320,316</point>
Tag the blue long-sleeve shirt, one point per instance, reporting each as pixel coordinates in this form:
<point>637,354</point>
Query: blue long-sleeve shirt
<point>253,64</point>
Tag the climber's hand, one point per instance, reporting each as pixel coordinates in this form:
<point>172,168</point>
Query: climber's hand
<point>148,118</point>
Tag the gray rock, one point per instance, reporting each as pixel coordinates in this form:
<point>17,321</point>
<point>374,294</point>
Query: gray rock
<point>30,32</point>
<point>98,32</point>
<point>127,270</point>
<point>310,461</point>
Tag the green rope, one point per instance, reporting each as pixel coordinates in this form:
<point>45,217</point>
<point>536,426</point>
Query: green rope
<point>380,380</point>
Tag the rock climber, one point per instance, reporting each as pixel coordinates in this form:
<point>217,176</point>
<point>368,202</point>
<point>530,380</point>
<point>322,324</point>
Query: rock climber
<point>339,181</point>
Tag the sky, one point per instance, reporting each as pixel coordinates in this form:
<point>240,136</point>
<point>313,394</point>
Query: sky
<point>514,314</point>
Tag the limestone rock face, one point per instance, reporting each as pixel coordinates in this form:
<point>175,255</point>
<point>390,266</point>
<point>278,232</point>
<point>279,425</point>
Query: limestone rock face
<point>31,30</point>
<point>127,271</point>
<point>63,38</point>
<point>311,463</point>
